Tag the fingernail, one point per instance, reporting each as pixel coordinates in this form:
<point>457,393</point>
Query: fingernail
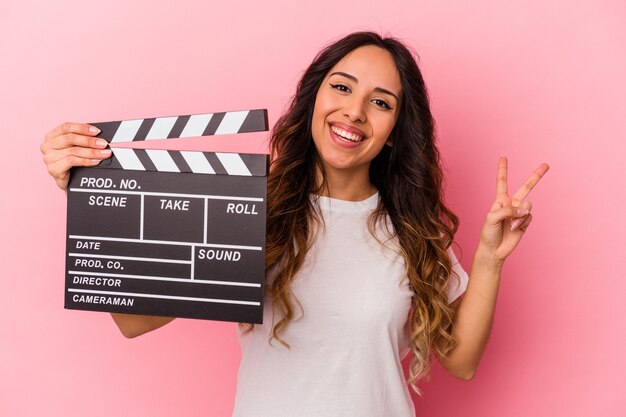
<point>94,129</point>
<point>95,161</point>
<point>515,223</point>
<point>105,152</point>
<point>521,211</point>
<point>101,142</point>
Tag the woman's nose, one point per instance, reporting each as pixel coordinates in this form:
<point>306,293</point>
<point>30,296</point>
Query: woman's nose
<point>354,110</point>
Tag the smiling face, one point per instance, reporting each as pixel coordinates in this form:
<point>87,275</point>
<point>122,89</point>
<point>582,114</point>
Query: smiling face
<point>356,108</point>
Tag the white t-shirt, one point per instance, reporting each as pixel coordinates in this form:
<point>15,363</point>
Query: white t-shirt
<point>347,345</point>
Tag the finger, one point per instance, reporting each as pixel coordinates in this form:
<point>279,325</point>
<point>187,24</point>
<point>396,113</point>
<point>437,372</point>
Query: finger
<point>502,193</point>
<point>526,204</point>
<point>60,169</point>
<point>505,213</point>
<point>496,205</point>
<point>69,127</point>
<point>521,223</point>
<point>530,183</point>
<point>73,139</point>
<point>59,163</point>
<point>78,151</point>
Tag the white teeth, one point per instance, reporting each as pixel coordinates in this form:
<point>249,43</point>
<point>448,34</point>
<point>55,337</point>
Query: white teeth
<point>353,137</point>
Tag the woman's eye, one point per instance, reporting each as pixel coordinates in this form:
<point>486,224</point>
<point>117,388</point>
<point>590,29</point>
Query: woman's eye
<point>381,103</point>
<point>340,87</point>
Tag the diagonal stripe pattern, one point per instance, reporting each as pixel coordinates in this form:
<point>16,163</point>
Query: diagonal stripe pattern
<point>247,165</point>
<point>209,124</point>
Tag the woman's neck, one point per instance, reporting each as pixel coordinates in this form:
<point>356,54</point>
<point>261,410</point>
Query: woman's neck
<point>347,187</point>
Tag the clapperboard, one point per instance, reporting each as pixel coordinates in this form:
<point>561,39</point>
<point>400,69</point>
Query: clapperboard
<point>170,233</point>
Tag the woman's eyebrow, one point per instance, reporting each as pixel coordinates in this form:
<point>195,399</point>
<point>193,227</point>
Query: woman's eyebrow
<point>353,78</point>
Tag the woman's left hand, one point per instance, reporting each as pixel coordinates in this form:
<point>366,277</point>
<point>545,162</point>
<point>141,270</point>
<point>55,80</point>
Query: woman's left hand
<point>509,216</point>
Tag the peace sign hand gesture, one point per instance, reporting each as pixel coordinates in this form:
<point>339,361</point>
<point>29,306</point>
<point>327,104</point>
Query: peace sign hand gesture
<point>508,217</point>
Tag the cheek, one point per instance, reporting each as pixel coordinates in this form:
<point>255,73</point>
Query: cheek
<point>384,127</point>
<point>317,122</point>
<point>317,110</point>
<point>321,109</point>
<point>323,104</point>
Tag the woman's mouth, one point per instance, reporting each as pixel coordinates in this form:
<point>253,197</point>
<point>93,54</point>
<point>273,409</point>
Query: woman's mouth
<point>344,134</point>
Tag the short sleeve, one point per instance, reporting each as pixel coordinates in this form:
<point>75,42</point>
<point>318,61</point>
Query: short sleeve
<point>458,279</point>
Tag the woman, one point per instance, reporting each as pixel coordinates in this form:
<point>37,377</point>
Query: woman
<point>359,266</point>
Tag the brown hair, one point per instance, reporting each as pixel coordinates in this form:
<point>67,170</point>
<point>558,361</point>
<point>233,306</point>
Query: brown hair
<point>409,180</point>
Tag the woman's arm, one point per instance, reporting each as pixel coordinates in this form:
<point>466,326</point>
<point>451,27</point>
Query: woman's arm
<point>74,144</point>
<point>133,325</point>
<point>473,319</point>
<point>502,230</point>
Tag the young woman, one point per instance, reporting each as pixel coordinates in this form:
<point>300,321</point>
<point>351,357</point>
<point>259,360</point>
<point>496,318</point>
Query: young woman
<point>359,265</point>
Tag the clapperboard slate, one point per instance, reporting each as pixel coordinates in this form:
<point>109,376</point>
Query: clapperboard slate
<point>171,233</point>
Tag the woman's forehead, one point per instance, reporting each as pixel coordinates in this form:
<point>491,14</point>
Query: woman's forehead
<point>371,66</point>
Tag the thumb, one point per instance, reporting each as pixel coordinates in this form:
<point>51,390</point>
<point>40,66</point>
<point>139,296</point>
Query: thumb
<point>505,213</point>
<point>496,205</point>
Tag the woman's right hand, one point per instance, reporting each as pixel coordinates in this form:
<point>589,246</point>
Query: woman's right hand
<point>70,145</point>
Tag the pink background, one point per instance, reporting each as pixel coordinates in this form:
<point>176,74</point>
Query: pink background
<point>537,82</point>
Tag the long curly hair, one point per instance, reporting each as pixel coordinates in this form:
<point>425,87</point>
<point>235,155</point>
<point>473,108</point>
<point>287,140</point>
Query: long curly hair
<point>408,177</point>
